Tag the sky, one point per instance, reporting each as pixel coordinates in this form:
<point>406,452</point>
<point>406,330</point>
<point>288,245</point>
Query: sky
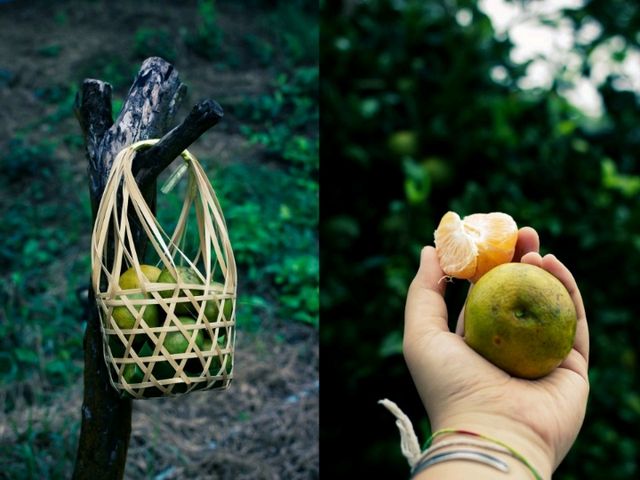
<point>551,49</point>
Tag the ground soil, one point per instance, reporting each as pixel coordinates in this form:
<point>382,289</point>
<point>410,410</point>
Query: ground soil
<point>265,426</point>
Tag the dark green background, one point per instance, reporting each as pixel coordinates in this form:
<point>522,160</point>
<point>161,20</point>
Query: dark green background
<point>469,144</point>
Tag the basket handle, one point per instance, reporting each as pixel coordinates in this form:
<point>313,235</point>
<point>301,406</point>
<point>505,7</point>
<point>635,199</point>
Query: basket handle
<point>121,172</point>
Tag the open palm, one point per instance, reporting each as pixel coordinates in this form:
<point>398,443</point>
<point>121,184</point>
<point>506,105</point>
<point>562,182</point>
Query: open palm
<point>460,389</point>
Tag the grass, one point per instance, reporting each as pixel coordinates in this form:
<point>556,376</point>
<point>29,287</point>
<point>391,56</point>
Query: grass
<point>283,223</point>
<point>270,203</point>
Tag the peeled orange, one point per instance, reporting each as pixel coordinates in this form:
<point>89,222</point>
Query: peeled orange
<point>468,248</point>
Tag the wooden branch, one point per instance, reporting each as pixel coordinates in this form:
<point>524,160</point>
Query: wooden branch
<point>106,418</point>
<point>147,112</point>
<point>149,163</point>
<point>93,111</point>
<point>177,99</point>
<point>153,100</point>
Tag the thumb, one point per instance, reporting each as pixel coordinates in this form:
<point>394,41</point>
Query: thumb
<point>425,309</point>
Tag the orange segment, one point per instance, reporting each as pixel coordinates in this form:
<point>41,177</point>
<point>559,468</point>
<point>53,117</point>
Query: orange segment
<point>456,249</point>
<point>468,248</point>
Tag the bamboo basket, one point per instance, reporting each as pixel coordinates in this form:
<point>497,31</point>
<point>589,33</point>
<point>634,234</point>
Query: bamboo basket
<point>173,334</point>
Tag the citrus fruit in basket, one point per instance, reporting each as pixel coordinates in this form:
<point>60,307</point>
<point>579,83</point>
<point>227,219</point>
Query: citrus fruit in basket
<point>467,248</point>
<point>126,317</point>
<point>187,276</point>
<point>116,346</point>
<point>132,373</point>
<point>215,365</point>
<point>176,342</point>
<point>194,365</point>
<point>130,280</point>
<point>212,307</point>
<point>521,318</point>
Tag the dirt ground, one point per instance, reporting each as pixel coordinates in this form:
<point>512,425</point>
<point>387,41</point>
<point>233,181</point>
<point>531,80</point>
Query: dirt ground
<point>265,426</point>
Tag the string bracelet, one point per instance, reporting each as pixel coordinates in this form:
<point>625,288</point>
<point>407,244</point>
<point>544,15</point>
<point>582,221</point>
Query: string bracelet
<point>419,460</point>
<point>428,458</point>
<point>467,455</point>
<point>506,448</point>
<point>464,443</point>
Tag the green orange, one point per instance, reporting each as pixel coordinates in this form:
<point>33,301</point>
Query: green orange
<point>212,307</point>
<point>131,280</point>
<point>176,342</point>
<point>521,318</point>
<point>186,275</point>
<point>125,317</point>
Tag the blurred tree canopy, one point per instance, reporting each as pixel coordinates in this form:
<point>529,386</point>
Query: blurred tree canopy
<point>416,122</point>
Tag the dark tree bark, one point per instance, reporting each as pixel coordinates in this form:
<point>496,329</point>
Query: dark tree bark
<point>148,111</point>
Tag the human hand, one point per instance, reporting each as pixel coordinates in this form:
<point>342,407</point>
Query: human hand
<point>462,390</point>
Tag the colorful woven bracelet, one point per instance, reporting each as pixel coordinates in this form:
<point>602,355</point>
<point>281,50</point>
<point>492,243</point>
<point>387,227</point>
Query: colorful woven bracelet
<point>514,453</point>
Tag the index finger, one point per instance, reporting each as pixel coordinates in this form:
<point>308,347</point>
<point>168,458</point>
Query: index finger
<point>554,266</point>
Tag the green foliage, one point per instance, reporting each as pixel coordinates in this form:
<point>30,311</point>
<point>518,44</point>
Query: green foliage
<point>272,219</point>
<point>276,234</point>
<point>40,312</point>
<point>110,67</point>
<point>288,34</point>
<point>30,456</point>
<point>22,162</point>
<point>414,125</point>
<point>51,50</point>
<point>150,42</point>
<point>285,121</point>
<point>39,327</point>
<point>206,41</point>
<point>295,36</point>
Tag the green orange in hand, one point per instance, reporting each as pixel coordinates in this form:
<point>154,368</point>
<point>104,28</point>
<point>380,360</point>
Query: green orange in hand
<point>521,318</point>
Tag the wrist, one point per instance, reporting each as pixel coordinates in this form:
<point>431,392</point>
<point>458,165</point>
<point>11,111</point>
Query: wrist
<point>519,437</point>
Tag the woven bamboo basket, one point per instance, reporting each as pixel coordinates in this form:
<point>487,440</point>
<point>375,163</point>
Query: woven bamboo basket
<point>168,325</point>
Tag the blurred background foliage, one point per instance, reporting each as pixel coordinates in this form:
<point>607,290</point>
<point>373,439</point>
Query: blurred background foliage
<point>424,111</point>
